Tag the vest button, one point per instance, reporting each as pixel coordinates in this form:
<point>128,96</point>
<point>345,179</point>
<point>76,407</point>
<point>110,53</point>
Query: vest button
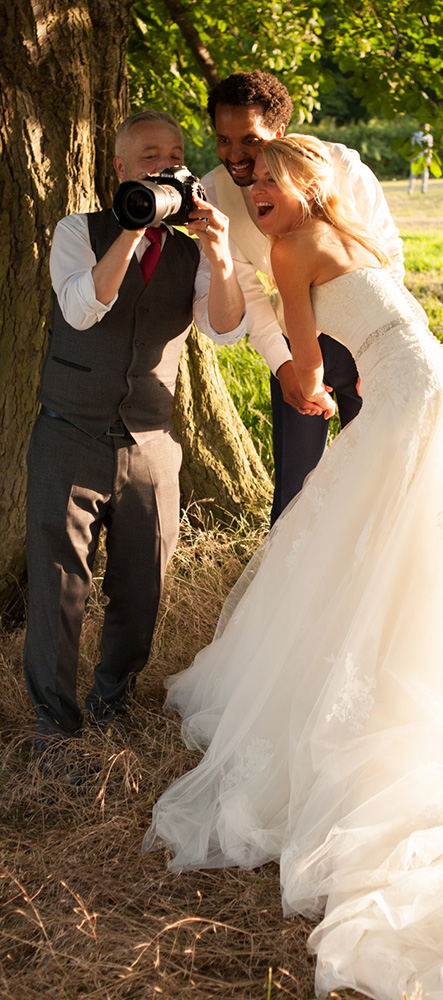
<point>139,343</point>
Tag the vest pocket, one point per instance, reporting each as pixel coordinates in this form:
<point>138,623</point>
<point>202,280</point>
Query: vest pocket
<point>70,364</point>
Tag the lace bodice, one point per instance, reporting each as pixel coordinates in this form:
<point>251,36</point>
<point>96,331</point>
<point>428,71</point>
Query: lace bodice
<point>396,354</point>
<point>355,305</point>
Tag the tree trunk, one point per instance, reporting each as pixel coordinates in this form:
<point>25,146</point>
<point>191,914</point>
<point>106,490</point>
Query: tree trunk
<point>62,91</point>
<point>220,463</point>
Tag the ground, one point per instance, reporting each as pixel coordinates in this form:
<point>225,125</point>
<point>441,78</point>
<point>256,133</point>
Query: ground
<point>83,913</point>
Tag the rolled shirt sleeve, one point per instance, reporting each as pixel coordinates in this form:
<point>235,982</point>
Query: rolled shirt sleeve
<point>70,264</point>
<point>264,329</point>
<point>360,187</point>
<point>265,332</point>
<point>201,317</point>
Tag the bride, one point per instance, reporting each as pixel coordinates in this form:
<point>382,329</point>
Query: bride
<point>320,699</point>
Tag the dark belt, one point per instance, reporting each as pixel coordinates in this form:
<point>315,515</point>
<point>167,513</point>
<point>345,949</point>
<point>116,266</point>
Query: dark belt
<point>115,430</point>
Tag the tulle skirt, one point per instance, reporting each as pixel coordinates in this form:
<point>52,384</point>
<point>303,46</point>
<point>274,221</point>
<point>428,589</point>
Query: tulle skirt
<point>320,703</point>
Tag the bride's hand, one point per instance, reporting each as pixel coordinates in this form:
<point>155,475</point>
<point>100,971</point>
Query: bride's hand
<point>325,401</point>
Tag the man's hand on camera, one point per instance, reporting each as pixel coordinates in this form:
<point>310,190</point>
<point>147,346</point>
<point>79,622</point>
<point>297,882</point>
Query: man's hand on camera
<point>212,228</point>
<point>226,304</point>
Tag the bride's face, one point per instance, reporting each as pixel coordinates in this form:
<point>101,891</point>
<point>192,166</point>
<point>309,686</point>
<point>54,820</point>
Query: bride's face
<point>278,212</point>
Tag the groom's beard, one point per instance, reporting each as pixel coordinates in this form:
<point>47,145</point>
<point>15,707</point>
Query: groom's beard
<point>242,172</point>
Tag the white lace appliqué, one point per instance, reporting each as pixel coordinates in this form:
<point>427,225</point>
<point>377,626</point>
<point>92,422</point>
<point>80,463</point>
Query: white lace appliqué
<point>256,758</point>
<point>355,701</point>
<point>291,559</point>
<point>315,497</point>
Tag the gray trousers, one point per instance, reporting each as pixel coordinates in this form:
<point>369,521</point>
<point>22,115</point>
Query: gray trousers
<point>76,484</point>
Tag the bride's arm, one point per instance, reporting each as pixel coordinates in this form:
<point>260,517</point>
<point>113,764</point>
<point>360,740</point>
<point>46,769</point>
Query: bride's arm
<point>293,267</point>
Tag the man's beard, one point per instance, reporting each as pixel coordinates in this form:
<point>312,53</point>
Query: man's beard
<point>241,179</point>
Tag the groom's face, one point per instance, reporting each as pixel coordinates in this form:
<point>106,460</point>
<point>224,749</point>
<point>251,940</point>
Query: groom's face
<point>240,132</point>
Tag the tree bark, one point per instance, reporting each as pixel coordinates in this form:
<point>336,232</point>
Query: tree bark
<point>220,463</point>
<point>62,91</point>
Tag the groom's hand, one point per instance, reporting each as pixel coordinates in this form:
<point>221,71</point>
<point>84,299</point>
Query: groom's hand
<point>292,394</point>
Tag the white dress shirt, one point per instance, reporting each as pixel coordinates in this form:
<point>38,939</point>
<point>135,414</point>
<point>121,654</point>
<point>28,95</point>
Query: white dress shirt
<point>358,185</point>
<point>72,260</point>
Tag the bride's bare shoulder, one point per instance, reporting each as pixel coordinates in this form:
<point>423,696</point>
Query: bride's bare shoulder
<point>303,245</point>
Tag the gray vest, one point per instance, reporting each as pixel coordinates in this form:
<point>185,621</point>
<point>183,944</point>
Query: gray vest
<point>125,366</point>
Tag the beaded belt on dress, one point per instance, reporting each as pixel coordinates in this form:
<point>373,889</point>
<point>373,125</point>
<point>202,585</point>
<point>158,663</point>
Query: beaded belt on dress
<point>378,333</point>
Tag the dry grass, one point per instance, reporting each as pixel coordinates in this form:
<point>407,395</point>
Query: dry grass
<point>83,913</point>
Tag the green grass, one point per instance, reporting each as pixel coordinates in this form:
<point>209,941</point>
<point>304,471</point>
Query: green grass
<point>247,377</point>
<point>418,212</point>
<point>423,251</point>
<point>420,221</point>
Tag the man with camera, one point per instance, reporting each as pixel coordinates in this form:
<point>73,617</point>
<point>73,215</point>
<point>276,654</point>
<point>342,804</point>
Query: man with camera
<point>246,109</point>
<point>103,450</point>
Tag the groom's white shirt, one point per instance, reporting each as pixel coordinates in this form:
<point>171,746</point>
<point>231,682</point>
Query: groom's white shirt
<point>250,248</point>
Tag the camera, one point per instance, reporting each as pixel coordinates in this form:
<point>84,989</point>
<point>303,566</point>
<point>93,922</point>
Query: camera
<point>167,196</point>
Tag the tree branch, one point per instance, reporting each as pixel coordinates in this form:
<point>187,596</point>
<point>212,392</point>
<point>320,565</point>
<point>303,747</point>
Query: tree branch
<point>201,54</point>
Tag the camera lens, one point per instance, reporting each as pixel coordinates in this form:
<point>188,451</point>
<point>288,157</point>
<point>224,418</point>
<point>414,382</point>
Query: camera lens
<point>139,205</point>
<point>148,202</point>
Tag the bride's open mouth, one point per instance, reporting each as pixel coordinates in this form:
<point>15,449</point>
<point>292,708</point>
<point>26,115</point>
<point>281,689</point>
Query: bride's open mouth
<point>263,208</point>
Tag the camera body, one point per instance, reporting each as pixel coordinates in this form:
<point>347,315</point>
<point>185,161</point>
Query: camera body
<point>167,196</point>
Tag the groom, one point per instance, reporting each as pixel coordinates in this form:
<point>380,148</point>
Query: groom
<point>246,109</point>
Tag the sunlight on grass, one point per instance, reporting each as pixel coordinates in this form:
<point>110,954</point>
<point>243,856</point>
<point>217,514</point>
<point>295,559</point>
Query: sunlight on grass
<point>423,251</point>
<point>247,377</point>
<point>417,212</point>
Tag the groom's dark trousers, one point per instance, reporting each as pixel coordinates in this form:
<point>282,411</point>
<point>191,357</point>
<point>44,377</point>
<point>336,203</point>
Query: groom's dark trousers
<point>300,440</point>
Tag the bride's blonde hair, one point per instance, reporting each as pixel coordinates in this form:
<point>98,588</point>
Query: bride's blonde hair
<point>303,165</point>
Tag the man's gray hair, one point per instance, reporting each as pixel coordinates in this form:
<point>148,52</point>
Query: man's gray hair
<point>149,115</point>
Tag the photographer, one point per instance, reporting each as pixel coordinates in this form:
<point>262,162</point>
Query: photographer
<point>103,450</point>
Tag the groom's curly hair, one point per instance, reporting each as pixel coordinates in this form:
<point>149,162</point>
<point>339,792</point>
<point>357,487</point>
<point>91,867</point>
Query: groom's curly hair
<point>245,89</point>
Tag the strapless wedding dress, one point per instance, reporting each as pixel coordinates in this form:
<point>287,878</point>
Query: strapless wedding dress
<point>321,697</point>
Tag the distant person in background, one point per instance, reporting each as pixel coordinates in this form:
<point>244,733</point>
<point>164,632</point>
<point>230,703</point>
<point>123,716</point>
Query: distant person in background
<point>422,144</point>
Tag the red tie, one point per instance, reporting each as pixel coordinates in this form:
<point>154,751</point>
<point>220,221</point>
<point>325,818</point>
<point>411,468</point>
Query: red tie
<point>152,253</point>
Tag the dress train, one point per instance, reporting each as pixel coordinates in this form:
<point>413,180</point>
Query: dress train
<point>320,700</point>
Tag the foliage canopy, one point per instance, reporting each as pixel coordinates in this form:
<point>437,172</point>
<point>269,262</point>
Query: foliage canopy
<point>390,54</point>
<point>176,52</point>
